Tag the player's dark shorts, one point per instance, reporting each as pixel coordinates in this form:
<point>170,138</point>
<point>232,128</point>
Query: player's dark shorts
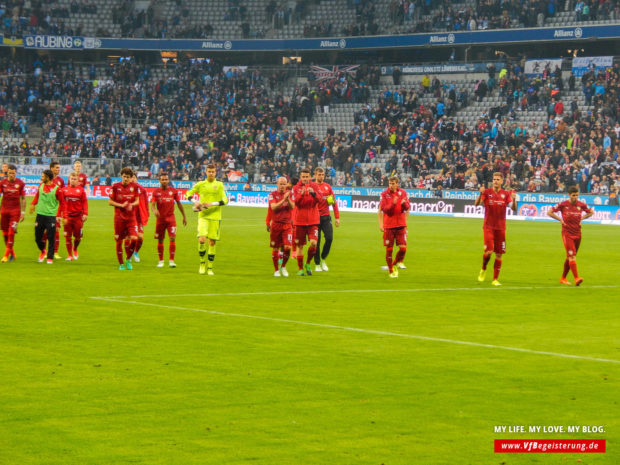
<point>571,244</point>
<point>165,224</point>
<point>125,228</point>
<point>301,232</point>
<point>9,219</point>
<point>281,235</point>
<point>74,226</point>
<point>398,235</point>
<point>494,240</point>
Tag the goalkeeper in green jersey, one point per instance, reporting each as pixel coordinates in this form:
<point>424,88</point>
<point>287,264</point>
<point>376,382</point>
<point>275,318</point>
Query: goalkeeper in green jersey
<point>212,199</point>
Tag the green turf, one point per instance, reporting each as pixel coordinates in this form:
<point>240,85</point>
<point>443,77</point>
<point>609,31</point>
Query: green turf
<point>269,377</point>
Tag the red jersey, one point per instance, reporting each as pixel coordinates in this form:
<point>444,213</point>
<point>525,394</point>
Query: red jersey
<point>282,214</point>
<point>58,181</point>
<point>495,204</point>
<point>307,205</point>
<point>142,212</point>
<point>571,215</point>
<point>82,180</point>
<point>122,194</point>
<point>74,202</point>
<point>326,190</point>
<point>165,200</point>
<point>394,215</point>
<point>11,192</point>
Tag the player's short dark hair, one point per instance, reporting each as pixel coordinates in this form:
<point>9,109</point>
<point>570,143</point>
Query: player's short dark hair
<point>305,170</point>
<point>497,173</point>
<point>319,170</point>
<point>73,173</point>
<point>54,163</point>
<point>11,167</point>
<point>49,174</point>
<point>573,190</point>
<point>394,178</point>
<point>211,166</point>
<point>128,171</point>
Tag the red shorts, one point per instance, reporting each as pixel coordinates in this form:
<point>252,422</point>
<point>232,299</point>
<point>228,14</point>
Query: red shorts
<point>281,235</point>
<point>9,219</point>
<point>125,228</point>
<point>312,232</point>
<point>165,224</point>
<point>390,235</point>
<point>74,227</point>
<point>495,240</point>
<point>571,244</point>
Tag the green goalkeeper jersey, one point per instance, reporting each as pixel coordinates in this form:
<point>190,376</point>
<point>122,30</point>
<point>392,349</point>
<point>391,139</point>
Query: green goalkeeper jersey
<point>209,191</point>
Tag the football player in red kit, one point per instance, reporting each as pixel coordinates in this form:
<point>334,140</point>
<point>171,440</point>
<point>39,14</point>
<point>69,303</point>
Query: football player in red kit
<point>142,218</point>
<point>395,206</point>
<point>495,200</point>
<point>74,214</point>
<point>12,209</point>
<point>280,229</point>
<point>162,204</point>
<point>572,212</point>
<point>124,197</point>
<point>306,197</point>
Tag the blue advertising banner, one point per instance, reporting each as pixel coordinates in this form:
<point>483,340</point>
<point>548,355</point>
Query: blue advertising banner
<point>348,43</point>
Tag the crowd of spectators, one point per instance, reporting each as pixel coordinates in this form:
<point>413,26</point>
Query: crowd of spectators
<point>202,112</point>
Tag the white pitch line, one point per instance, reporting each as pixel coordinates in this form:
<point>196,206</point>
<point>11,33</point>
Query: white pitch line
<point>365,331</point>
<point>347,291</point>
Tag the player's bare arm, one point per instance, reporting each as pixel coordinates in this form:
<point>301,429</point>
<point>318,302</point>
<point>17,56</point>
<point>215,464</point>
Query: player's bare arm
<point>551,214</point>
<point>22,203</point>
<point>479,198</point>
<point>380,217</point>
<point>180,205</point>
<point>154,208</point>
<point>588,215</point>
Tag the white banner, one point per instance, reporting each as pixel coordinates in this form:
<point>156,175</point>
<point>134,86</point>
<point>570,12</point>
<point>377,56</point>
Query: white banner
<point>581,65</point>
<point>36,170</point>
<point>536,67</point>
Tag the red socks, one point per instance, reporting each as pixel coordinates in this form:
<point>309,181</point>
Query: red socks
<point>130,248</point>
<point>311,252</point>
<point>300,262</point>
<point>69,246</point>
<point>10,239</point>
<point>388,258</point>
<point>275,258</point>
<point>496,267</point>
<point>138,244</point>
<point>160,250</point>
<point>566,268</point>
<point>173,249</point>
<point>400,255</point>
<point>285,256</point>
<point>119,251</point>
<point>57,239</point>
<point>485,260</point>
<point>573,268</point>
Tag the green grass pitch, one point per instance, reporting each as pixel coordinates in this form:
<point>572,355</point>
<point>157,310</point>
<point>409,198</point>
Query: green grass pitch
<point>241,368</point>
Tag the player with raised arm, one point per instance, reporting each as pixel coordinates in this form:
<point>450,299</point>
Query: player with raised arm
<point>572,212</point>
<point>306,197</point>
<point>47,202</point>
<point>394,207</point>
<point>495,201</point>
<point>325,226</point>
<point>212,197</point>
<point>162,204</point>
<point>12,210</point>
<point>74,214</point>
<point>142,218</point>
<point>280,229</point>
<point>125,197</point>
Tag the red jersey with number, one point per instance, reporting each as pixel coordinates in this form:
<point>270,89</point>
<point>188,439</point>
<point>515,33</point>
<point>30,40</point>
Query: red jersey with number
<point>495,204</point>
<point>75,203</point>
<point>82,180</point>
<point>165,201</point>
<point>571,215</point>
<point>394,214</point>
<point>11,192</point>
<point>122,194</point>
<point>282,214</point>
<point>306,205</point>
<point>326,190</point>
